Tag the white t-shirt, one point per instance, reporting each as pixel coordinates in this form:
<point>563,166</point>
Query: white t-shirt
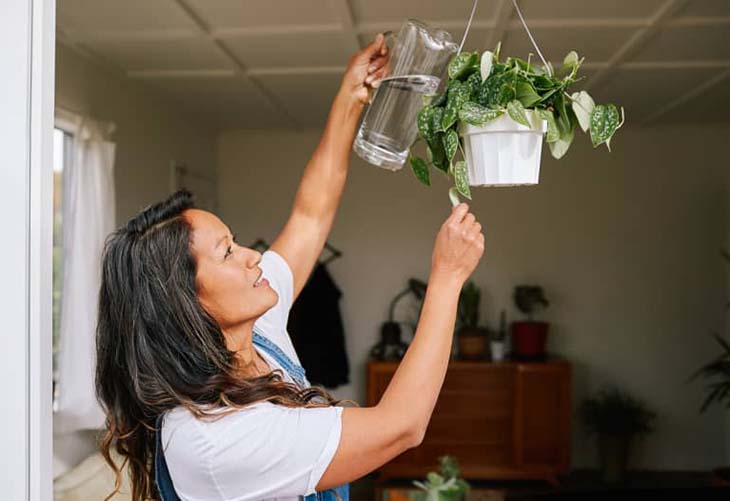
<point>262,452</point>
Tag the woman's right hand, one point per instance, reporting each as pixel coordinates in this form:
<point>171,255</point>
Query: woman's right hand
<point>459,245</point>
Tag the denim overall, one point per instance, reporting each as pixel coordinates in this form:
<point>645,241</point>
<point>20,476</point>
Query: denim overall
<point>162,473</point>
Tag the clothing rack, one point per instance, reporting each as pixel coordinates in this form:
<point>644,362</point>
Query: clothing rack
<point>262,245</point>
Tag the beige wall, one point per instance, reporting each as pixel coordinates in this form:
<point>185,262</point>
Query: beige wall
<point>625,245</point>
<point>149,134</point>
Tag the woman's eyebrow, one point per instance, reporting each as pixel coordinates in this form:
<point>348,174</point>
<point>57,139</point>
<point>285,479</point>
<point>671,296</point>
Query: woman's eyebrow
<point>221,240</point>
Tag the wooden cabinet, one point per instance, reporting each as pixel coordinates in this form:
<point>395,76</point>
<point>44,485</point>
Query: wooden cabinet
<point>500,420</point>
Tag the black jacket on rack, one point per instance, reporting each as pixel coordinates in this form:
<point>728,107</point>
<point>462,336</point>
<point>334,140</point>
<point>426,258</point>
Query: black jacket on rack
<point>315,326</point>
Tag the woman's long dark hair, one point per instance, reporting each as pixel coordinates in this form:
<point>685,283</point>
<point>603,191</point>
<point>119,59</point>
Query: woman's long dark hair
<point>157,348</point>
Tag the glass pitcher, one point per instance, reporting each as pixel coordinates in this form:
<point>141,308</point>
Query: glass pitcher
<point>419,58</point>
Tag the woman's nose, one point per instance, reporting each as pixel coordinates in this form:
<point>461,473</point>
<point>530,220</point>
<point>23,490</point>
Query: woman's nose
<point>253,258</point>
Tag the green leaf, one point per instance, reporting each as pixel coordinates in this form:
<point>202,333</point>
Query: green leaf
<point>517,113</point>
<point>506,94</point>
<point>439,100</point>
<point>420,169</point>
<point>454,196</point>
<point>462,64</point>
<point>461,178</point>
<point>425,122</point>
<point>604,122</point>
<point>486,64</point>
<point>571,59</point>
<point>583,105</point>
<point>436,117</point>
<point>476,114</point>
<point>474,82</point>
<point>560,147</point>
<point>458,95</point>
<point>451,143</point>
<point>553,134</point>
<point>437,153</point>
<point>526,94</point>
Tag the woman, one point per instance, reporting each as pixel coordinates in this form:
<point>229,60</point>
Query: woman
<point>202,388</point>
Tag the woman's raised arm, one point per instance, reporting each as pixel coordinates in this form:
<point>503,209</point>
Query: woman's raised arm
<point>375,435</point>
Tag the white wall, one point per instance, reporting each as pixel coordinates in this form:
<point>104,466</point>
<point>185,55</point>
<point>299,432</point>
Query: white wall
<point>150,131</point>
<point>625,245</point>
<point>149,134</point>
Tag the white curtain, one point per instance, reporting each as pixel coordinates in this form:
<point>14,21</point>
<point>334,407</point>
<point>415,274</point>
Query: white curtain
<point>88,216</point>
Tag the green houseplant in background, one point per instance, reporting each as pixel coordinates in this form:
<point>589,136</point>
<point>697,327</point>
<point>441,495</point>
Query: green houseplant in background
<point>472,339</point>
<point>529,337</point>
<point>616,418</point>
<point>446,485</point>
<point>717,374</point>
<point>481,89</point>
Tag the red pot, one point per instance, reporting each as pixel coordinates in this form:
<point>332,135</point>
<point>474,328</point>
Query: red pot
<point>528,339</point>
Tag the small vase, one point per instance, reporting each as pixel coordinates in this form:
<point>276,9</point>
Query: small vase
<point>497,349</point>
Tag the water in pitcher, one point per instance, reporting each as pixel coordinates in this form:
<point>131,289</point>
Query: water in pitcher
<point>388,129</point>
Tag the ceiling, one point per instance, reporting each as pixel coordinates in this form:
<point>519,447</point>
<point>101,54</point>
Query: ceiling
<point>277,63</point>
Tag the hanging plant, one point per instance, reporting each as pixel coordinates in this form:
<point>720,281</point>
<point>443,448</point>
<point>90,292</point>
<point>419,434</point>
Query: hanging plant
<point>481,89</point>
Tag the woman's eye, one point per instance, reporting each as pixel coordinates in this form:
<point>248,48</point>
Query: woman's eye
<point>229,251</point>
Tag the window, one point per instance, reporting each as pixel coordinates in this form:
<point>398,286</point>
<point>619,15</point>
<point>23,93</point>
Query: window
<point>61,154</point>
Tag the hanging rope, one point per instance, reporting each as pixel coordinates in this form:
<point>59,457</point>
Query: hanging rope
<point>468,25</point>
<point>524,25</point>
<point>534,44</point>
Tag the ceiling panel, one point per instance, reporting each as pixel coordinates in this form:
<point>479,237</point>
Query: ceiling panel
<point>570,9</point>
<point>596,44</point>
<point>115,15</point>
<point>313,49</point>
<point>706,8</point>
<point>189,54</point>
<point>686,43</point>
<point>374,11</point>
<point>644,91</point>
<point>307,97</point>
<point>255,13</point>
<point>226,102</point>
<point>711,106</point>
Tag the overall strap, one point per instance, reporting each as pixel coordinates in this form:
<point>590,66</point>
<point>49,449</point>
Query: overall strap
<point>295,371</point>
<point>162,473</point>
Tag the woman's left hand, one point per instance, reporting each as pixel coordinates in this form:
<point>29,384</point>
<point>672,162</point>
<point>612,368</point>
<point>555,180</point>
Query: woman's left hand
<point>365,70</point>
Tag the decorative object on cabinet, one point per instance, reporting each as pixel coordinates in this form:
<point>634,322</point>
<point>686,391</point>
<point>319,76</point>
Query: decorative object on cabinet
<point>529,337</point>
<point>503,421</point>
<point>391,346</point>
<point>498,339</point>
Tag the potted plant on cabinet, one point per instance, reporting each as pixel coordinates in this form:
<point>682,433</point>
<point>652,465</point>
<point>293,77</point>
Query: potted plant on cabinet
<point>529,337</point>
<point>495,113</point>
<point>616,418</point>
<point>472,339</point>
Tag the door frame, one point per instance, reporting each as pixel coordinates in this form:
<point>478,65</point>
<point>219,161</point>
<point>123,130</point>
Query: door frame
<point>27,51</point>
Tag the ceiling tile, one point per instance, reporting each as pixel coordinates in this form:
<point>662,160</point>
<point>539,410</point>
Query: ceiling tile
<point>706,8</point>
<point>572,9</point>
<point>596,44</point>
<point>254,13</point>
<point>307,97</point>
<point>115,15</point>
<point>226,102</point>
<point>312,49</point>
<point>375,11</point>
<point>644,91</point>
<point>683,43</point>
<point>711,106</point>
<point>189,54</point>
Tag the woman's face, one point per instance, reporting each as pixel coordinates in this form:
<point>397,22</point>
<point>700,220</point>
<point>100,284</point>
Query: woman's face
<point>228,276</point>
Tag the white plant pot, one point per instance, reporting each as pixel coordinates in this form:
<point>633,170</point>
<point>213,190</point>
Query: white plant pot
<point>497,350</point>
<point>503,152</point>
